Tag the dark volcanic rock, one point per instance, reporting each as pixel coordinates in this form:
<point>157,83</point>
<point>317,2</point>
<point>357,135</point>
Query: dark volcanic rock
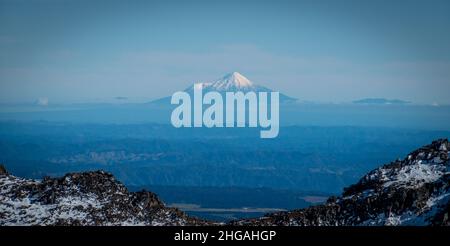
<point>89,198</point>
<point>412,191</point>
<point>3,170</point>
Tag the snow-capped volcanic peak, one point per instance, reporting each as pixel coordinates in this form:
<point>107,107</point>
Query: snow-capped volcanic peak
<point>231,81</point>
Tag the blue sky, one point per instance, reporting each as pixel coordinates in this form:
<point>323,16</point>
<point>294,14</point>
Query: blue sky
<point>328,51</point>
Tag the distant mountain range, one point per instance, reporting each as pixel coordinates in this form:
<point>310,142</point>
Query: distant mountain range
<point>412,191</point>
<point>232,82</point>
<point>380,101</point>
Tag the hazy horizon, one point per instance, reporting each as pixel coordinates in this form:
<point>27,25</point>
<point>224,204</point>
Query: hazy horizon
<point>328,51</point>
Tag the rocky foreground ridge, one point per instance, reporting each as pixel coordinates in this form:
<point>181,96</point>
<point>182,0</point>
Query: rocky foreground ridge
<point>89,198</point>
<point>412,191</point>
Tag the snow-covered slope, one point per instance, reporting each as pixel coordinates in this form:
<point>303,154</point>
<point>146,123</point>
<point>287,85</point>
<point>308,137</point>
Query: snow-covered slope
<point>91,198</point>
<point>412,191</point>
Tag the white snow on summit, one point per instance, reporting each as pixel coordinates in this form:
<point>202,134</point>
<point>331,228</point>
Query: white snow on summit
<point>231,82</point>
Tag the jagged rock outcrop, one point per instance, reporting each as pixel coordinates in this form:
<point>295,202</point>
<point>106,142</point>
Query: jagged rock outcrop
<point>3,170</point>
<point>89,198</point>
<point>412,191</point>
